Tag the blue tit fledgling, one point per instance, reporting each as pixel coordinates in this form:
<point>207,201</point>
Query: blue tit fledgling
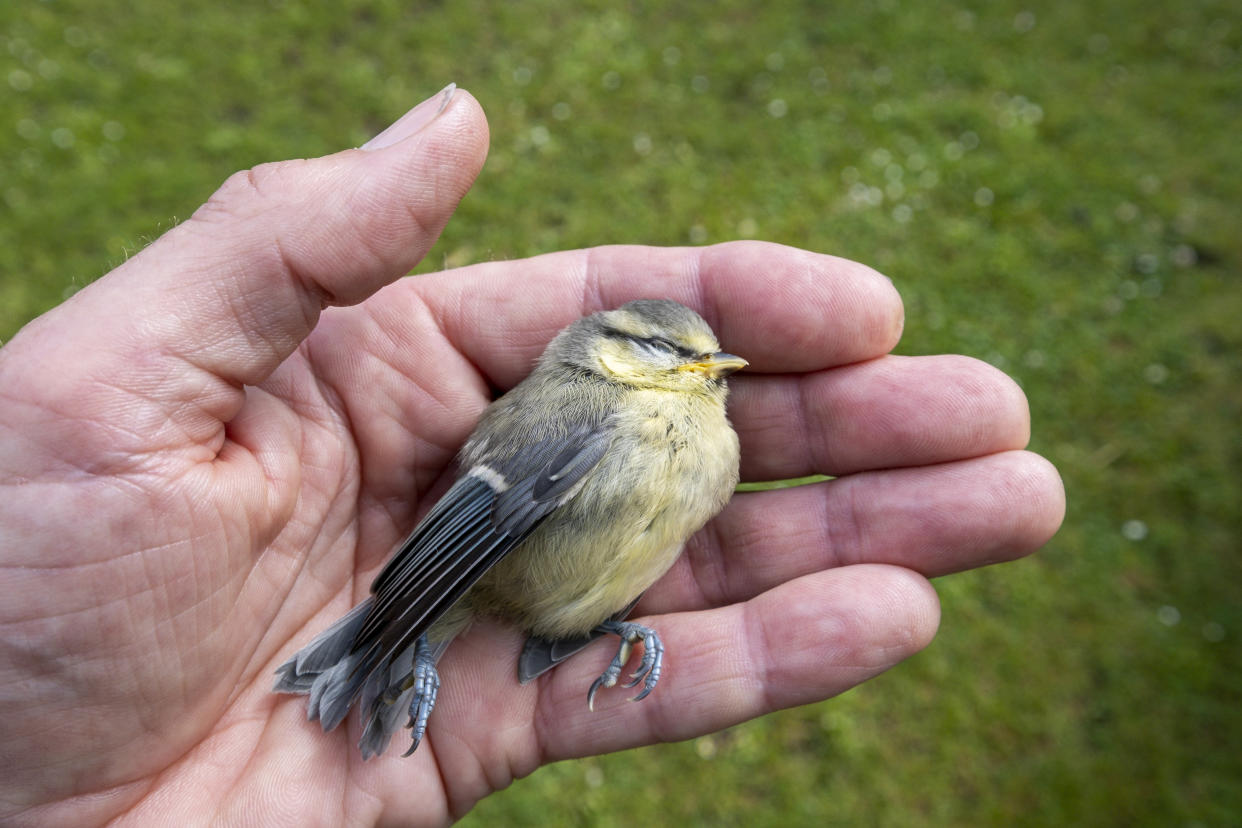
<point>577,490</point>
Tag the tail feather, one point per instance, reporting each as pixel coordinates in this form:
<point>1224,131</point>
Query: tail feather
<point>540,655</point>
<point>380,680</point>
<point>336,690</point>
<point>338,671</point>
<point>322,653</point>
<point>382,717</point>
<point>329,669</point>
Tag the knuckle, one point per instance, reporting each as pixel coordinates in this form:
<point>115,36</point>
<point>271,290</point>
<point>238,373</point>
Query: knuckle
<point>247,192</point>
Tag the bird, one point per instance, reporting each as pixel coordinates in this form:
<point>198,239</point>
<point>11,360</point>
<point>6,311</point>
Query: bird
<point>575,492</point>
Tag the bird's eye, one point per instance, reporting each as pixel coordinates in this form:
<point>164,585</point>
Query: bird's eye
<point>663,345</point>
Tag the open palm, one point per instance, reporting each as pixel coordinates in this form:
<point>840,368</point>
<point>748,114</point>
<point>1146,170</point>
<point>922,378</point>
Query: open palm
<point>202,467</point>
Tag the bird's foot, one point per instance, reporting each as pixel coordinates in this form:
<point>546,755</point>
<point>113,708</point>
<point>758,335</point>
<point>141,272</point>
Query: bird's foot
<point>424,680</point>
<point>649,669</point>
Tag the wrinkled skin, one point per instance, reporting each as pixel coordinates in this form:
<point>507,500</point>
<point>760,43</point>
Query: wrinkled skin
<point>206,455</point>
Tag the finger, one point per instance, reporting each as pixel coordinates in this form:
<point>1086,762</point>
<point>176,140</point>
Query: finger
<point>223,298</point>
<point>783,309</point>
<point>933,520</point>
<point>884,413</point>
<point>800,642</point>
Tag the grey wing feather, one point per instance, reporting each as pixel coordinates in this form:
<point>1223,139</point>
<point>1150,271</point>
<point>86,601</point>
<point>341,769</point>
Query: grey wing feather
<point>459,541</point>
<point>569,466</point>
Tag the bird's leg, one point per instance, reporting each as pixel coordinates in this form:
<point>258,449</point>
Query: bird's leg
<point>649,668</point>
<point>424,680</point>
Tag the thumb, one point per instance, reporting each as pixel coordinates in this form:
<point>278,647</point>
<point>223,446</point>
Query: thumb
<point>222,299</point>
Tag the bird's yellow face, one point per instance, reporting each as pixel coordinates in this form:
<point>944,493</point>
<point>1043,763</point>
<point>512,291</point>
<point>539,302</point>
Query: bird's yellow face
<point>670,351</point>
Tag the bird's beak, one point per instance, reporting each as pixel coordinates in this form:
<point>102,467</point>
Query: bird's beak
<point>716,365</point>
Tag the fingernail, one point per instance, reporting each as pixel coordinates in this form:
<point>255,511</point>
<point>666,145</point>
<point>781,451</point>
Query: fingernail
<point>414,120</point>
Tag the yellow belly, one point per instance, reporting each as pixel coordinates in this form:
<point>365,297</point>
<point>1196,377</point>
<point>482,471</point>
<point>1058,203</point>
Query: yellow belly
<point>673,470</point>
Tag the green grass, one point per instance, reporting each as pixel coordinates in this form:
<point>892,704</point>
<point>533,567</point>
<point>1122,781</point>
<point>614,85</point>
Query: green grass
<point>1054,187</point>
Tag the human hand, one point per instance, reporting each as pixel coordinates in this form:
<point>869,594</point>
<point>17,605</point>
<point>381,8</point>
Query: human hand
<point>208,454</point>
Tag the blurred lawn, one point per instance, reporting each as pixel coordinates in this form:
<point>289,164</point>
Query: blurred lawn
<point>1054,188</point>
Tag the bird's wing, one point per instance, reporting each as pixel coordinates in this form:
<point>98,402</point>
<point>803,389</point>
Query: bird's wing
<point>484,516</point>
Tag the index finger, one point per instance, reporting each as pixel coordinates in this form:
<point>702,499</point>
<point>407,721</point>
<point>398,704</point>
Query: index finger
<point>781,308</point>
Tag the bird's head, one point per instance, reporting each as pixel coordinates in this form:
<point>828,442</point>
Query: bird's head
<point>648,343</point>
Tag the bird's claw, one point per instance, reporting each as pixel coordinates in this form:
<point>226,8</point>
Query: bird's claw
<point>653,657</point>
<point>425,681</point>
<point>649,669</point>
